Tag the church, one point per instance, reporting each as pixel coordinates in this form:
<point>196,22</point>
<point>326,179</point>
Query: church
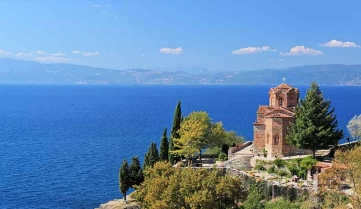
<point>271,126</point>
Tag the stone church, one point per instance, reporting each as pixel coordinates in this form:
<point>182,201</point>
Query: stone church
<point>272,123</point>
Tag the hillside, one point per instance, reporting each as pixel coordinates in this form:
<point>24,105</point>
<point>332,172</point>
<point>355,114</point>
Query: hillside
<point>14,71</point>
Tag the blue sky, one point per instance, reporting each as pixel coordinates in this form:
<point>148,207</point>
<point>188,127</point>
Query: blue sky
<point>214,35</point>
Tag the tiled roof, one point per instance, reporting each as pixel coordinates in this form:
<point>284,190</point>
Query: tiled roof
<point>284,86</point>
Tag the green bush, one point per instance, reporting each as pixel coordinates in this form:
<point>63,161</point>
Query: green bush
<point>222,156</point>
<point>279,162</point>
<point>293,168</point>
<point>259,167</point>
<point>281,204</point>
<point>271,169</point>
<point>283,173</point>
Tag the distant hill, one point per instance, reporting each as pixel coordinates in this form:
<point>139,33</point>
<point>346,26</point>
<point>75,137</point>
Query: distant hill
<point>14,71</point>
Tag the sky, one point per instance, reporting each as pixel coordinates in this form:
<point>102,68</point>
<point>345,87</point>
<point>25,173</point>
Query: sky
<point>214,35</point>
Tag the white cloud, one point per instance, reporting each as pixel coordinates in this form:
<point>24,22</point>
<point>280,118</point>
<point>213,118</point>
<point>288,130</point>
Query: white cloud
<point>89,54</point>
<point>97,5</point>
<point>52,59</point>
<point>251,50</point>
<point>299,50</point>
<point>336,43</point>
<point>58,54</point>
<point>40,52</point>
<point>171,51</point>
<point>86,54</point>
<point>276,60</point>
<point>24,54</point>
<point>143,55</point>
<point>3,52</point>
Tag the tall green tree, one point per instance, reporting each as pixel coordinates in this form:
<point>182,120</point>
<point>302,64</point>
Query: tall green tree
<point>315,125</point>
<point>135,173</point>
<point>177,119</point>
<point>124,182</point>
<point>151,157</point>
<point>164,147</point>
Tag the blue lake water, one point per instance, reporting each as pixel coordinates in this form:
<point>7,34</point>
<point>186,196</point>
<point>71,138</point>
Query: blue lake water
<point>62,146</point>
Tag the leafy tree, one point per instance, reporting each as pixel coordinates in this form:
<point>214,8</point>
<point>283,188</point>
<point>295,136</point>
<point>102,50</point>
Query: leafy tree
<point>354,127</point>
<point>193,134</point>
<point>135,173</point>
<point>124,183</point>
<point>315,125</point>
<point>167,187</point>
<point>164,147</point>
<point>254,201</point>
<point>346,170</point>
<point>177,119</point>
<point>232,139</point>
<point>151,157</point>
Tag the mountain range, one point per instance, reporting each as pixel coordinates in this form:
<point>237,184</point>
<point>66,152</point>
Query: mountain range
<point>13,71</point>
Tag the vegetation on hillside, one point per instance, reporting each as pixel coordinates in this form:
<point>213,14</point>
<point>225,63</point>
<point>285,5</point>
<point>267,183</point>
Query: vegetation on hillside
<point>345,175</point>
<point>168,187</point>
<point>315,125</point>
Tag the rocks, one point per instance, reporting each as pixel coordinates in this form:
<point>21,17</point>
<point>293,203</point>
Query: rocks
<point>120,204</point>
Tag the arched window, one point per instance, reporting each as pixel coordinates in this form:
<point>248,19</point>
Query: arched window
<point>276,139</point>
<point>280,102</point>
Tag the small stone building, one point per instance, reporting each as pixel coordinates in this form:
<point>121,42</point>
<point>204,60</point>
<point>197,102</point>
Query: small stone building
<point>271,126</point>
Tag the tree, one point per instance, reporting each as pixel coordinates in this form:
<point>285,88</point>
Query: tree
<point>193,134</point>
<point>124,183</point>
<point>177,119</point>
<point>354,127</point>
<point>231,138</point>
<point>315,125</point>
<point>151,157</point>
<point>167,187</point>
<point>164,147</point>
<point>346,170</point>
<point>135,173</point>
<point>225,149</point>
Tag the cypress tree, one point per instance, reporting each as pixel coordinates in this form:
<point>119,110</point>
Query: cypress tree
<point>177,119</point>
<point>164,147</point>
<point>124,183</point>
<point>151,157</point>
<point>135,173</point>
<point>315,125</point>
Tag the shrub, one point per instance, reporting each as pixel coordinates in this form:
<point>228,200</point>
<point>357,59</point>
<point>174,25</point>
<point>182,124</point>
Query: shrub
<point>279,162</point>
<point>222,156</point>
<point>259,167</point>
<point>282,173</point>
<point>293,168</point>
<point>271,169</point>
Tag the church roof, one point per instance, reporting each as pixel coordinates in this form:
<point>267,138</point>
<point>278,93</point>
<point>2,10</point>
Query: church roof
<point>284,86</point>
<point>262,109</point>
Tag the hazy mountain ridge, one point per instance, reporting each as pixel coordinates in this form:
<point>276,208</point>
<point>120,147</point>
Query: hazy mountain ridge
<point>14,71</point>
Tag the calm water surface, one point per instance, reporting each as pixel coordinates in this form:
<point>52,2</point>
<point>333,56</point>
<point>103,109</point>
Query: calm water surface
<point>61,146</point>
